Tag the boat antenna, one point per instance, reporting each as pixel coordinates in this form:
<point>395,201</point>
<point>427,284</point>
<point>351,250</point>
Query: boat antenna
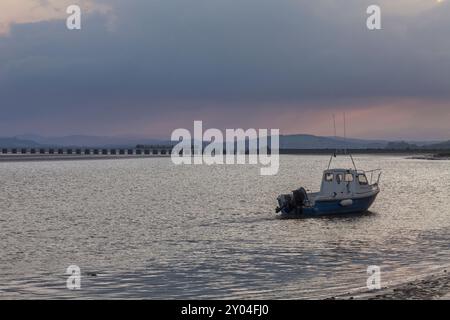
<point>335,133</point>
<point>335,137</point>
<point>345,135</point>
<point>345,142</point>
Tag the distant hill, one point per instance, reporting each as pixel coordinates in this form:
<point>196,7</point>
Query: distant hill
<point>91,141</point>
<point>295,141</point>
<point>402,145</point>
<point>439,146</point>
<point>18,143</point>
<point>305,141</point>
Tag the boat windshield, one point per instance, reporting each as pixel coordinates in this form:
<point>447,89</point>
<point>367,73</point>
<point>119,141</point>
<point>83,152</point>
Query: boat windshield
<point>362,179</point>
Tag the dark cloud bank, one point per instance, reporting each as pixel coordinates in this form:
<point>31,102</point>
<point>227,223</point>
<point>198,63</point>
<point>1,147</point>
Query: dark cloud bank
<point>160,59</point>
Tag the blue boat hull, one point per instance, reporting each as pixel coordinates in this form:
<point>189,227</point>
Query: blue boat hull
<point>334,207</point>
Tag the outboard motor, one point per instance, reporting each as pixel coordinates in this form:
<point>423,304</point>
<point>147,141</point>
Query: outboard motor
<point>287,202</point>
<point>300,196</point>
<point>284,203</point>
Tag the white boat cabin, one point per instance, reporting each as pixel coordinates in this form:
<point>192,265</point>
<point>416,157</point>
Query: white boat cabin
<point>345,183</point>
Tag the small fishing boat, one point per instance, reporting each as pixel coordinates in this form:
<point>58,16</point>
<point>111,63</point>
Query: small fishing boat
<point>343,191</point>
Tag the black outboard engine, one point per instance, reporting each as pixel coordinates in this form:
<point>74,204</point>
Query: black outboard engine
<point>292,203</point>
<point>300,196</point>
<point>285,203</point>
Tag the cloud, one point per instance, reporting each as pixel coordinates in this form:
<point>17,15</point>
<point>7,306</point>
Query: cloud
<point>176,57</point>
<point>31,11</point>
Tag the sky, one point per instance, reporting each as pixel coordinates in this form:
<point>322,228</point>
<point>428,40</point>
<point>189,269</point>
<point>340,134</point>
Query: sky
<point>147,67</point>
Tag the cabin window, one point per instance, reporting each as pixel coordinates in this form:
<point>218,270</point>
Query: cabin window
<point>362,179</point>
<point>328,177</point>
<point>339,178</point>
<point>348,177</point>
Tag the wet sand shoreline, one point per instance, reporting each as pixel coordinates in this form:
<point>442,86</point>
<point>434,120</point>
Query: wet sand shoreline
<point>435,286</point>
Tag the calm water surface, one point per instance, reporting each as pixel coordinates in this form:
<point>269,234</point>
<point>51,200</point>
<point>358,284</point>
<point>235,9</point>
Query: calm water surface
<point>144,228</point>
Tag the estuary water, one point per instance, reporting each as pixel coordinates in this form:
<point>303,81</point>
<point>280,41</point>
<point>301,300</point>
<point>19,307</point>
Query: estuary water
<point>146,229</point>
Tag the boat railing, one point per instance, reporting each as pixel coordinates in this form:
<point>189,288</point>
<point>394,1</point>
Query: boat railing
<point>373,173</point>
